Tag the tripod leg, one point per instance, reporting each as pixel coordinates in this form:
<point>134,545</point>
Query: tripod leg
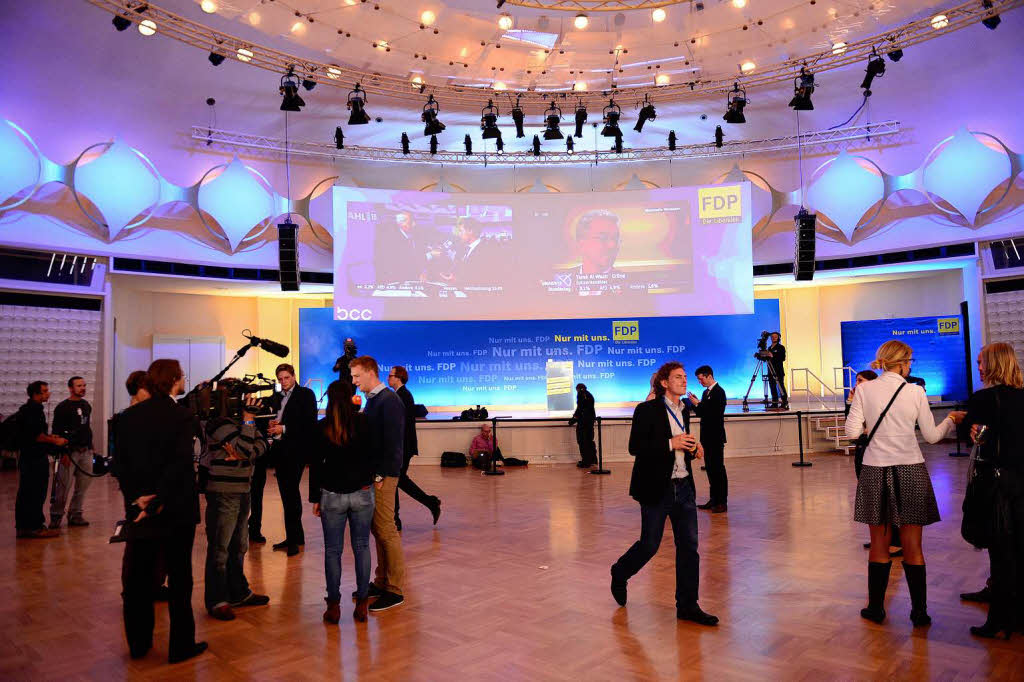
<point>753,378</point>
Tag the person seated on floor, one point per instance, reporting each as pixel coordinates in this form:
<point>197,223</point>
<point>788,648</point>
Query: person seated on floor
<point>482,449</point>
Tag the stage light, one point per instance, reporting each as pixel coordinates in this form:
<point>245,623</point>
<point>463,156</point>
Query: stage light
<point>433,144</point>
<point>536,146</point>
<point>489,121</point>
<point>803,87</point>
<point>747,66</point>
<point>147,27</point>
<point>405,143</point>
<point>940,21</point>
<point>735,101</point>
<point>719,136</point>
<point>333,72</point>
<point>990,22</point>
<point>671,140</point>
<point>339,138</point>
<point>552,117</point>
<point>618,145</point>
<point>417,83</point>
<point>569,146</point>
<point>838,48</point>
<point>244,55</point>
<point>308,84</point>
<point>468,143</point>
<point>581,21</point>
<point>517,118</point>
<point>499,143</point>
<point>647,113</point>
<point>120,23</point>
<point>581,118</point>
<point>579,86</point>
<point>895,55</point>
<point>612,112</point>
<point>658,15</point>
<point>739,4</point>
<point>298,28</point>
<point>357,105</point>
<point>876,69</point>
<point>505,22</point>
<point>662,79</point>
<point>290,92</point>
<point>208,6</point>
<point>429,117</point>
<point>499,86</point>
<point>427,17</point>
<point>216,58</point>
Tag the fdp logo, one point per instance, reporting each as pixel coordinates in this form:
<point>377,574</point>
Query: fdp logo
<point>949,325</point>
<point>719,204</point>
<point>625,330</point>
<point>352,314</point>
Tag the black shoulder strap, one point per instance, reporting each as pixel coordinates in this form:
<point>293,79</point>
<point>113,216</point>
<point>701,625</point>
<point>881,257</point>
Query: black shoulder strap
<point>882,416</point>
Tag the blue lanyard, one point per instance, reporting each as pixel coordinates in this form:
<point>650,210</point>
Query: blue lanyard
<point>672,414</point>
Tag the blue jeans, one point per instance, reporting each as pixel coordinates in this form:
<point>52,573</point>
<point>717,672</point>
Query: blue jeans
<point>357,509</point>
<point>679,506</point>
<point>227,536</point>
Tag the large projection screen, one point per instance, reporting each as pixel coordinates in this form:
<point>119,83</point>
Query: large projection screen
<point>403,255</point>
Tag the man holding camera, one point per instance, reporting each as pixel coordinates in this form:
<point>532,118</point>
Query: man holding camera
<point>777,373</point>
<point>34,444</point>
<point>72,420</point>
<point>231,451</point>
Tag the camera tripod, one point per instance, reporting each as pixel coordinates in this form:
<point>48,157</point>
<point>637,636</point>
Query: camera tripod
<point>762,364</point>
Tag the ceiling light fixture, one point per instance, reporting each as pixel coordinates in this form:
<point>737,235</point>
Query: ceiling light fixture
<point>662,79</point>
<point>581,21</point>
<point>747,66</point>
<point>536,146</point>
<point>489,121</point>
<point>433,144</point>
<point>570,147</point>
<point>658,15</point>
<point>579,86</point>
<point>244,54</point>
<point>333,72</point>
<point>499,86</point>
<point>147,27</point>
<point>838,48</point>
<point>429,117</point>
<point>518,117</point>
<point>468,143</point>
<point>552,119</point>
<point>739,4</point>
<point>208,6</point>
<point>611,114</point>
<point>581,118</point>
<point>427,17</point>
<point>216,58</point>
<point>505,22</point>
<point>357,106</point>
<point>647,113</point>
<point>289,90</point>
<point>671,140</point>
<point>735,101</point>
<point>719,136</point>
<point>339,138</point>
<point>876,69</point>
<point>940,21</point>
<point>405,143</point>
<point>990,22</point>
<point>803,87</point>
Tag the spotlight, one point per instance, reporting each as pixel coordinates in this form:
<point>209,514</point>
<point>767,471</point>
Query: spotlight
<point>433,144</point>
<point>489,121</point>
<point>500,3</point>
<point>719,136</point>
<point>618,144</point>
<point>309,84</point>
<point>517,118</point>
<point>121,22</point>
<point>552,117</point>
<point>735,102</point>
<point>429,116</point>
<point>569,146</point>
<point>536,146</point>
<point>290,92</point>
<point>505,22</point>
<point>357,105</point>
<point>647,113</point>
<point>896,55</point>
<point>699,6</point>
<point>803,87</point>
<point>339,138</point>
<point>581,118</point>
<point>876,69</point>
<point>216,58</point>
<point>581,21</point>
<point>611,120</point>
<point>499,143</point>
<point>468,143</point>
<point>990,22</point>
<point>671,140</point>
<point>405,143</point>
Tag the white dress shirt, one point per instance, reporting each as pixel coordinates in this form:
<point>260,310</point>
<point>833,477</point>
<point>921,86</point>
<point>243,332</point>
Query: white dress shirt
<point>679,469</point>
<point>895,441</point>
<point>285,395</point>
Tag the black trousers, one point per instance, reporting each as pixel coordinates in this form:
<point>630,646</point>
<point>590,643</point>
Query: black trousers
<point>259,482</point>
<point>1006,558</point>
<point>585,441</point>
<point>718,480</point>
<point>140,564</point>
<point>778,376</point>
<point>33,482</point>
<point>409,487</point>
<point>289,467</point>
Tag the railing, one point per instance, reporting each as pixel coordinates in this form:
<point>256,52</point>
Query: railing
<point>806,374</point>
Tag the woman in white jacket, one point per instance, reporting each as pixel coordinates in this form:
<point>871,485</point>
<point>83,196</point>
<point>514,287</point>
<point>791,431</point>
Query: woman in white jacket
<point>894,486</point>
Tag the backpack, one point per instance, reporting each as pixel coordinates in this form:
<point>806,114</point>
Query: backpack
<point>9,433</point>
<point>453,459</point>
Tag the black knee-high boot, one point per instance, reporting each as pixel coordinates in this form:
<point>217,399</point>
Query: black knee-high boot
<point>878,582</point>
<point>916,581</point>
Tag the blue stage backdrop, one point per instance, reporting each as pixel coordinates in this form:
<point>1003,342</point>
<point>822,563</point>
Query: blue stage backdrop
<point>522,363</point>
<point>938,344</point>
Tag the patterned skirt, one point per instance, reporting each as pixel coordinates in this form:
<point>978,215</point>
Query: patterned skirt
<point>899,495</point>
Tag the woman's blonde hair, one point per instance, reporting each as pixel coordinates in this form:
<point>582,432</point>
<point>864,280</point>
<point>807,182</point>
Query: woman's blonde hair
<point>1001,366</point>
<point>890,355</point>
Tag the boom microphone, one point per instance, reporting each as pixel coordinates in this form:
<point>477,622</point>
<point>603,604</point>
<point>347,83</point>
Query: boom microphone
<point>272,347</point>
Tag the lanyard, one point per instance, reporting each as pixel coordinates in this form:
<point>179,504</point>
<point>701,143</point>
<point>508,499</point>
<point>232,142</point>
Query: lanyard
<point>672,414</point>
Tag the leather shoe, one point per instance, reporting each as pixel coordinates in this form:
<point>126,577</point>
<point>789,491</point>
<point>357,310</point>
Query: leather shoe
<point>695,614</point>
<point>293,550</point>
<point>982,596</point>
<point>372,593</point>
<point>222,612</point>
<point>281,546</point>
<point>582,465</point>
<point>333,613</point>
<point>619,591</point>
<point>252,600</point>
<point>197,648</point>
<point>257,539</point>
<point>435,510</point>
<point>707,505</point>
<point>719,508</point>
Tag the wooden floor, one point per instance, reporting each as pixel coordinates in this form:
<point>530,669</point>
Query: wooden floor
<point>513,585</point>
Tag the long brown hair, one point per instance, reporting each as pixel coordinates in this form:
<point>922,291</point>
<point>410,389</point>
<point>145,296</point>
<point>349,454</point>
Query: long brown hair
<point>340,413</point>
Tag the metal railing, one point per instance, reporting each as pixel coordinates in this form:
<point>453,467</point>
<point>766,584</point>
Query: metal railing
<point>806,374</point>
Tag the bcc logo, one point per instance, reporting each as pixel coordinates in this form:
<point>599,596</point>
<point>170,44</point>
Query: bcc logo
<point>353,314</point>
<point>625,330</point>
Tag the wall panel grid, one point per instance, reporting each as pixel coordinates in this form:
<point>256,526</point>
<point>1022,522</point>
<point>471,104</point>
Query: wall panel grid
<point>1005,320</point>
<point>46,344</point>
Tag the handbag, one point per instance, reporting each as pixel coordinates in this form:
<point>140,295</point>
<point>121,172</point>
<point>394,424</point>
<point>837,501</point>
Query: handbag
<point>986,516</point>
<point>862,441</point>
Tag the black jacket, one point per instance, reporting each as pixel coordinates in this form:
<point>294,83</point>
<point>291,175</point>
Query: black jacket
<point>342,468</point>
<point>386,415</point>
<point>154,456</point>
<point>72,419</point>
<point>711,411</point>
<point>410,447</point>
<point>1005,418</point>
<point>649,444</point>
<point>31,422</point>
<point>777,359</point>
<point>299,420</point>
<point>585,413</point>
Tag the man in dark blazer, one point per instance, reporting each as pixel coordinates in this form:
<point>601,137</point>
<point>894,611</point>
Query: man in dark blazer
<point>398,377</point>
<point>154,461</point>
<point>662,483</point>
<point>398,255</point>
<point>777,371</point>
<point>292,431</point>
<point>584,418</point>
<point>711,410</point>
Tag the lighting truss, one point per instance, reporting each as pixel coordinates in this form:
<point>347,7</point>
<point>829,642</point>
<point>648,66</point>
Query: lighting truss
<point>821,138</point>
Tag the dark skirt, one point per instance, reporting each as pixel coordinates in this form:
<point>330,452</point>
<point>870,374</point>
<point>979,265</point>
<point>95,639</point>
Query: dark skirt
<point>898,495</point>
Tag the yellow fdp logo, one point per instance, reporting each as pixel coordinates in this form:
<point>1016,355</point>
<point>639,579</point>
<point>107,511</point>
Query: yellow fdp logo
<point>719,204</point>
<point>625,330</point>
<point>949,325</point>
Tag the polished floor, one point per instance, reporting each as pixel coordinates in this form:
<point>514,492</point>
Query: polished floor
<point>512,584</point>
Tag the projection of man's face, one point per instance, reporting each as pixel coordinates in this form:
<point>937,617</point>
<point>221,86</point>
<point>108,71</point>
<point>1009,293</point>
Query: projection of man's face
<point>600,245</point>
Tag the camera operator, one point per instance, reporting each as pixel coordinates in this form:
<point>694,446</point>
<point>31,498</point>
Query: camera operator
<point>777,374</point>
<point>72,420</point>
<point>341,366</point>
<point>157,476</point>
<point>232,447</point>
<point>34,444</point>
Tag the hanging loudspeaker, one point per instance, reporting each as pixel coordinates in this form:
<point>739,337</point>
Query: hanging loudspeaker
<point>288,256</point>
<point>803,256</point>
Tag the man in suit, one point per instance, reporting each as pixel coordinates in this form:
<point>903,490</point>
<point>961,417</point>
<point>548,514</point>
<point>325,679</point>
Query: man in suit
<point>584,418</point>
<point>777,372</point>
<point>662,483</point>
<point>386,417</point>
<point>475,260</point>
<point>292,431</point>
<point>157,477</point>
<point>398,255</point>
<point>398,377</point>
<point>711,410</point>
